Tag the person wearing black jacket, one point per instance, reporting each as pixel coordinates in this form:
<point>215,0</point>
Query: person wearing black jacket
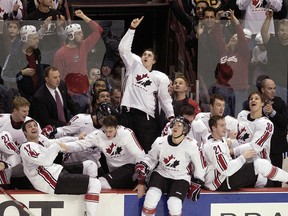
<point>44,107</point>
<point>275,109</point>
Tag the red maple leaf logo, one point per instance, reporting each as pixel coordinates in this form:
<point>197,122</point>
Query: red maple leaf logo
<point>139,77</point>
<point>167,160</point>
<point>110,149</point>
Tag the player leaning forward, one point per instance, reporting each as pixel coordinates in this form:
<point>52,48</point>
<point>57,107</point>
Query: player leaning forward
<point>180,169</point>
<point>74,178</point>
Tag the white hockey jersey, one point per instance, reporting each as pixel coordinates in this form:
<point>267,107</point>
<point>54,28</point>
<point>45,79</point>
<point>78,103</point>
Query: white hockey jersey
<point>176,161</point>
<point>198,131</point>
<point>220,164</point>
<point>254,134</point>
<point>122,149</point>
<point>141,85</point>
<point>38,163</point>
<point>17,134</point>
<point>9,153</point>
<point>79,123</point>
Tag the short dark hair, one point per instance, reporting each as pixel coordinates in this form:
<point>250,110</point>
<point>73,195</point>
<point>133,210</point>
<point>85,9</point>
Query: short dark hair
<point>153,51</point>
<point>209,9</point>
<point>258,93</point>
<point>48,69</point>
<point>213,121</point>
<point>187,110</point>
<point>110,121</point>
<point>214,97</point>
<point>26,122</point>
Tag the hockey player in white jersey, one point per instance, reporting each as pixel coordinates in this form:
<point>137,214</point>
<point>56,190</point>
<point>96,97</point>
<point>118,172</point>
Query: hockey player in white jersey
<point>48,177</point>
<point>9,157</point>
<point>144,87</point>
<point>178,167</point>
<point>224,173</point>
<point>121,149</point>
<point>12,123</point>
<point>198,129</point>
<point>254,130</point>
<point>217,106</point>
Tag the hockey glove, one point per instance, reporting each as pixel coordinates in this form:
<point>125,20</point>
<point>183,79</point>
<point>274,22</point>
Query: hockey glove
<point>194,189</point>
<point>49,131</point>
<point>141,172</point>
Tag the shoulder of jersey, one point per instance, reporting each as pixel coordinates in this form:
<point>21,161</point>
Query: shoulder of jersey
<point>198,126</point>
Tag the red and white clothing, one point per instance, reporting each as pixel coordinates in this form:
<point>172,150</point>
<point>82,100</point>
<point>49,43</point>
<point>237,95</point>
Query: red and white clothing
<point>120,150</point>
<point>175,161</point>
<point>255,13</point>
<point>38,163</point>
<point>220,164</point>
<point>9,154</point>
<point>16,133</point>
<point>79,123</point>
<point>198,131</point>
<point>231,122</point>
<point>254,134</point>
<point>142,85</point>
<point>72,62</point>
<point>6,6</point>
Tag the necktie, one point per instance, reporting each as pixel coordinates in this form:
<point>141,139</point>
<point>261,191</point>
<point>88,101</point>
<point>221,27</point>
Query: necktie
<point>60,110</point>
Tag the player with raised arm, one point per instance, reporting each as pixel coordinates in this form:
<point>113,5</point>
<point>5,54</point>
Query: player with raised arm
<point>178,170</point>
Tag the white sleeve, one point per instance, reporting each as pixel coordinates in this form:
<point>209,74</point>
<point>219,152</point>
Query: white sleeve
<point>243,4</point>
<point>152,158</point>
<point>198,161</point>
<point>125,48</point>
<point>37,154</point>
<point>134,147</point>
<point>163,95</point>
<point>222,162</point>
<point>275,5</point>
<point>89,141</point>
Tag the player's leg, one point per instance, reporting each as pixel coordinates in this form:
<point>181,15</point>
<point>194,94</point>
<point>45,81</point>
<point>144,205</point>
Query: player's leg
<point>266,169</point>
<point>92,197</point>
<point>176,195</point>
<point>87,167</point>
<point>157,186</point>
<point>119,178</point>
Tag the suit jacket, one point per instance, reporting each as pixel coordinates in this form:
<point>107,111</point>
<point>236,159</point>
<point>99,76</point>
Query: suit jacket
<point>44,108</point>
<point>280,121</point>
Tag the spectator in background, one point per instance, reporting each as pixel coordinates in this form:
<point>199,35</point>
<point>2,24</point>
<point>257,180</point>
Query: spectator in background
<point>11,9</point>
<point>45,107</point>
<point>116,98</point>
<point>236,54</point>
<point>258,63</point>
<point>223,73</point>
<point>111,56</point>
<point>94,75</point>
<point>9,39</point>
<point>180,98</point>
<point>49,23</point>
<point>23,64</point>
<point>144,88</point>
<point>254,13</point>
<point>277,54</point>
<point>275,109</point>
<point>71,59</point>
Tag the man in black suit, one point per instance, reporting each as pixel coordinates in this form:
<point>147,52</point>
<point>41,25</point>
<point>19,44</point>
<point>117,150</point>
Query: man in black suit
<point>44,105</point>
<point>275,109</point>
